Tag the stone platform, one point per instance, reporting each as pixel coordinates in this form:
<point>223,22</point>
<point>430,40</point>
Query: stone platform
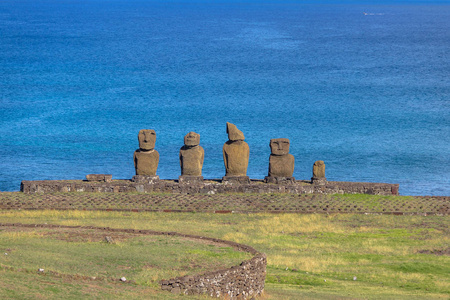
<point>211,186</point>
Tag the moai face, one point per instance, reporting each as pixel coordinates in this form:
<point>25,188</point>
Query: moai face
<point>279,146</point>
<point>147,139</point>
<point>191,139</point>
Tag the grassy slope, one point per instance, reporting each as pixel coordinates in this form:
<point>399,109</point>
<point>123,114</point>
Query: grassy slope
<point>310,256</point>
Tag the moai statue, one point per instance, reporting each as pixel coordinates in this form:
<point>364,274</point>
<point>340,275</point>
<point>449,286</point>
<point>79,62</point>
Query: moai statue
<point>235,156</point>
<point>319,173</point>
<point>191,158</point>
<point>146,158</point>
<point>281,163</point>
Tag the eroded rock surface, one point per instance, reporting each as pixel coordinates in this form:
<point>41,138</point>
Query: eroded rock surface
<point>319,173</point>
<point>146,158</point>
<point>236,152</point>
<point>191,155</point>
<point>281,163</point>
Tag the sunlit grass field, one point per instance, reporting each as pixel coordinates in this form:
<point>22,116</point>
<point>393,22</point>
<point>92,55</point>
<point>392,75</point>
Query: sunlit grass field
<point>310,256</point>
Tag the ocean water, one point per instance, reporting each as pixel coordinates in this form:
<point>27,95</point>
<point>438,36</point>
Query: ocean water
<point>364,87</point>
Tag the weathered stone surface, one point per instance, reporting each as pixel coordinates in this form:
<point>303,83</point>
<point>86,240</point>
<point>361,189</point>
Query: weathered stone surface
<point>147,139</point>
<point>281,163</point>
<point>279,180</point>
<point>319,169</point>
<point>146,158</point>
<point>151,184</point>
<point>236,152</point>
<point>145,179</point>
<point>319,173</point>
<point>245,281</point>
<point>236,180</point>
<point>234,134</point>
<point>191,155</point>
<point>190,179</point>
<point>99,177</point>
<point>279,146</point>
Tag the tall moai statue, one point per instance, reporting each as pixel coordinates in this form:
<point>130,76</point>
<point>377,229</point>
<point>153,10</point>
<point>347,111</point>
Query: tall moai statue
<point>146,158</point>
<point>319,173</point>
<point>191,158</point>
<point>281,163</point>
<point>236,154</point>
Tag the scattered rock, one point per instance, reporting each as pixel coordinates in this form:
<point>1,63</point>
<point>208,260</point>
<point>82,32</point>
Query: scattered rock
<point>436,251</point>
<point>109,240</point>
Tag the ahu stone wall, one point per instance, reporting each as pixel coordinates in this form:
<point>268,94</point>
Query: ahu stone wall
<point>208,187</point>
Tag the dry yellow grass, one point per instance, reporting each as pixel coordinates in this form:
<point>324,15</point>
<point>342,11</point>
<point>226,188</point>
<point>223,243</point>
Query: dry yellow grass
<point>311,255</point>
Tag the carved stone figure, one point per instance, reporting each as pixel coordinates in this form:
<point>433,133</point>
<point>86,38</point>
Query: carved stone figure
<point>319,173</point>
<point>191,158</point>
<point>281,163</point>
<point>146,158</point>
<point>236,154</point>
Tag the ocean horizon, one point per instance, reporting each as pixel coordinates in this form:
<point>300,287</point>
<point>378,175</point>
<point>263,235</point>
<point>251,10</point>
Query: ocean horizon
<point>363,86</point>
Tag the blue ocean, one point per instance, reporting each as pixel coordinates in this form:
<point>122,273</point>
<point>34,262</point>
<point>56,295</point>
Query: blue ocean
<point>363,86</point>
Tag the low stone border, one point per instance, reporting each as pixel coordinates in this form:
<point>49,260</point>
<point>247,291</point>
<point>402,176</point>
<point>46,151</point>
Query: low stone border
<point>228,203</point>
<point>208,187</point>
<point>238,282</point>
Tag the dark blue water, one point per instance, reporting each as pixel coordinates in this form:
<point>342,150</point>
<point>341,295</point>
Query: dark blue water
<point>366,88</point>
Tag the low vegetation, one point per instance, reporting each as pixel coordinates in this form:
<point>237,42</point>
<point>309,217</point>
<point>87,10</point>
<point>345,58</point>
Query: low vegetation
<point>310,256</point>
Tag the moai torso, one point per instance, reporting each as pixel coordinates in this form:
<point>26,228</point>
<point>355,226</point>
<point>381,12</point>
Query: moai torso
<point>235,156</point>
<point>191,155</point>
<point>281,163</point>
<point>146,162</point>
<point>236,152</point>
<point>146,158</point>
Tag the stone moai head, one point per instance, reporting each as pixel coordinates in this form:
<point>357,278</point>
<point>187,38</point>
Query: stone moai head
<point>147,139</point>
<point>234,134</point>
<point>319,169</point>
<point>279,146</point>
<point>192,139</point>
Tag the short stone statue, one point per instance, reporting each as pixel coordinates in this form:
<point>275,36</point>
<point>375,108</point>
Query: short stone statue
<point>319,173</point>
<point>281,163</point>
<point>191,158</point>
<point>146,158</point>
<point>236,154</point>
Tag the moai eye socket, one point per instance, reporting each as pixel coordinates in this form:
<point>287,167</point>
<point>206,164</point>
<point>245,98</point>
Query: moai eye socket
<point>279,146</point>
<point>192,139</point>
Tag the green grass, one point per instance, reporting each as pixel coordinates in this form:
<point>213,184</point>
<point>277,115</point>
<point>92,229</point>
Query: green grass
<point>310,256</point>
